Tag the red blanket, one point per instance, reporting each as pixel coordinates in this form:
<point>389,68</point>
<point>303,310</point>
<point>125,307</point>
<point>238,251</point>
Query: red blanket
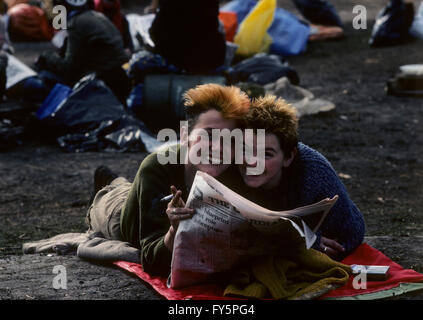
<point>364,254</point>
<point>367,255</point>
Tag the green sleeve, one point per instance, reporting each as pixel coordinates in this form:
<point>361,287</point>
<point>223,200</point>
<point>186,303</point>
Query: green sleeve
<point>144,222</point>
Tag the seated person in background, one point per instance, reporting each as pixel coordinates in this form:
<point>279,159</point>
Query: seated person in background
<point>186,33</point>
<point>296,175</point>
<point>111,9</point>
<point>134,212</point>
<point>93,44</point>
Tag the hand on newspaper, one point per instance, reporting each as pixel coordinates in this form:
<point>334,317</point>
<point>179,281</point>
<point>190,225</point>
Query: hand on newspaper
<point>331,247</point>
<point>176,212</point>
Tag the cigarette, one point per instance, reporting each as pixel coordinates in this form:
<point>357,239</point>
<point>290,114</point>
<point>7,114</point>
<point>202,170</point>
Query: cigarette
<point>167,198</point>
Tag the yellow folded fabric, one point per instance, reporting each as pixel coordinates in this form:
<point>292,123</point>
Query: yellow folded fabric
<point>303,274</point>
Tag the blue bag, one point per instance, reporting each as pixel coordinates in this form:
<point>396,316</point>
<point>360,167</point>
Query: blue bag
<point>56,96</point>
<point>289,34</point>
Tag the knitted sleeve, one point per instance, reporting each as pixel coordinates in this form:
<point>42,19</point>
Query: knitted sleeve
<point>319,180</point>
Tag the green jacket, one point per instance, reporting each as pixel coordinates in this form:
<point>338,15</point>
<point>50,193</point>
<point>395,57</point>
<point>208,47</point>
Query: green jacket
<point>93,44</point>
<point>143,220</point>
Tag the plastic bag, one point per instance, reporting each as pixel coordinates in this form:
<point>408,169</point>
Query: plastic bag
<point>131,134</point>
<point>126,134</point>
<point>289,34</point>
<point>90,103</point>
<point>416,28</point>
<point>56,96</point>
<point>252,36</point>
<point>319,12</point>
<point>392,24</point>
<point>92,118</point>
<point>262,69</point>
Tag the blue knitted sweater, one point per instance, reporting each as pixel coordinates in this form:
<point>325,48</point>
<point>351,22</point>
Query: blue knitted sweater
<point>313,179</point>
<point>309,179</point>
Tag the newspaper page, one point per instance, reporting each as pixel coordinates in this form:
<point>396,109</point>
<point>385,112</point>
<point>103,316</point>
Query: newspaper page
<point>227,227</point>
<point>17,71</point>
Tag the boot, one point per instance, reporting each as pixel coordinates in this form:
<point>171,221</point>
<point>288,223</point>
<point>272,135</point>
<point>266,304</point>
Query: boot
<point>103,176</point>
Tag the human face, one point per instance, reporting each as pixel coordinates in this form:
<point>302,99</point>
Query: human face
<point>274,161</point>
<point>207,121</point>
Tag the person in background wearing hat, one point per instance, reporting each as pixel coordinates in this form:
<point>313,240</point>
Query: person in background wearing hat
<point>93,44</point>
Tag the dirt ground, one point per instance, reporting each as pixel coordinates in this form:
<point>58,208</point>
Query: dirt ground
<point>375,140</point>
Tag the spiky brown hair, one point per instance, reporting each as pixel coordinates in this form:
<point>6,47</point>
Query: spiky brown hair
<point>275,116</point>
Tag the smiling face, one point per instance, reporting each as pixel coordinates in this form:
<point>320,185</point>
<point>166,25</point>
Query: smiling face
<point>274,161</point>
<point>206,122</point>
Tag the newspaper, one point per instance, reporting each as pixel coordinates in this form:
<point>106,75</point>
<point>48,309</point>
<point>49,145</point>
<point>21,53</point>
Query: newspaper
<point>17,71</point>
<point>227,228</point>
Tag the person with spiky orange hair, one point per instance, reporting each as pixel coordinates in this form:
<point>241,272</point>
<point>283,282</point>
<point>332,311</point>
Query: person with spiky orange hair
<point>137,212</point>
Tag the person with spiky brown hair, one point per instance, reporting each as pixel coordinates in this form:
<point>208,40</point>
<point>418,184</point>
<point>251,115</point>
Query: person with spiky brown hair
<point>296,175</point>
